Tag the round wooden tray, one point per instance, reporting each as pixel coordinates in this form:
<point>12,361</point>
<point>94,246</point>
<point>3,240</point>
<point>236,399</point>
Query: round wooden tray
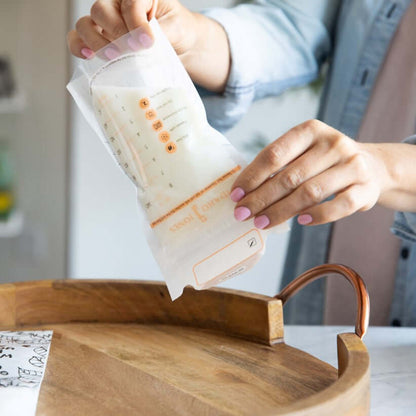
<point>123,348</point>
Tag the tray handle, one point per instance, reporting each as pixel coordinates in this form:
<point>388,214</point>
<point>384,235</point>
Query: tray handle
<point>363,301</point>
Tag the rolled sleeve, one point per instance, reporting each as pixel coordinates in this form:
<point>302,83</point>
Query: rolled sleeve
<point>274,45</point>
<point>404,225</point>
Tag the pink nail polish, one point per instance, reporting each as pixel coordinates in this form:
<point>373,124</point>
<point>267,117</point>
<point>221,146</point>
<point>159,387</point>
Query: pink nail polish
<point>261,222</point>
<point>111,53</point>
<point>145,40</point>
<point>237,194</point>
<point>241,213</point>
<point>305,219</point>
<point>87,52</point>
<point>134,44</point>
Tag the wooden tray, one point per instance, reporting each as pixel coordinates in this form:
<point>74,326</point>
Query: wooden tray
<point>123,348</point>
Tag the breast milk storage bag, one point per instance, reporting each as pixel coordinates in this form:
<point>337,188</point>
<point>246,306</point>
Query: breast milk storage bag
<point>144,106</point>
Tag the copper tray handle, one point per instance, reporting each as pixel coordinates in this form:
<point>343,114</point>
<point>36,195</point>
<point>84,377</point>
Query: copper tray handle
<point>363,301</point>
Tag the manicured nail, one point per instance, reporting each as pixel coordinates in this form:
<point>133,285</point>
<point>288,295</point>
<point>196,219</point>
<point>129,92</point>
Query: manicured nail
<point>134,44</point>
<point>145,40</point>
<point>87,52</point>
<point>305,219</point>
<point>241,213</point>
<point>111,53</point>
<point>237,194</point>
<point>261,222</point>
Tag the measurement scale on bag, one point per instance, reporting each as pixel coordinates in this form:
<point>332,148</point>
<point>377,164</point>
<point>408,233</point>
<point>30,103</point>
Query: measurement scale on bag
<point>155,137</point>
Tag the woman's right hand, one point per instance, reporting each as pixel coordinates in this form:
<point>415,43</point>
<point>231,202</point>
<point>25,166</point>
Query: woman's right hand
<point>111,19</point>
<point>201,43</point>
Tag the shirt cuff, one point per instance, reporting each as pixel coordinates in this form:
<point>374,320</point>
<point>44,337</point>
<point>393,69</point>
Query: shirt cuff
<point>254,36</point>
<point>226,109</point>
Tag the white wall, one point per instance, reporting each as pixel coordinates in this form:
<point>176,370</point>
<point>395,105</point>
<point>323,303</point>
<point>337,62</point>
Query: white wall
<point>106,240</point>
<point>32,34</point>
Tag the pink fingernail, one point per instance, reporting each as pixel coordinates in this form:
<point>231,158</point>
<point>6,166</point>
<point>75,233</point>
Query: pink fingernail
<point>145,40</point>
<point>305,219</point>
<point>241,213</point>
<point>134,44</point>
<point>111,53</point>
<point>261,222</point>
<point>237,194</point>
<point>87,52</point>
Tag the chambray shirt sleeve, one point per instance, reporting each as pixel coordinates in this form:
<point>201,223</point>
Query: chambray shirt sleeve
<point>274,44</point>
<point>404,225</point>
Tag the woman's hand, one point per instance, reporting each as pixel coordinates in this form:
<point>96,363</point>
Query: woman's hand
<point>297,173</point>
<point>200,42</point>
<point>111,19</point>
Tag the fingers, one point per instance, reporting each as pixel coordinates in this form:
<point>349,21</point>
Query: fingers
<point>106,14</point>
<point>77,46</point>
<point>307,166</point>
<point>277,155</point>
<point>344,204</point>
<point>109,20</point>
<point>135,14</point>
<point>90,33</point>
<point>296,173</point>
<point>306,198</point>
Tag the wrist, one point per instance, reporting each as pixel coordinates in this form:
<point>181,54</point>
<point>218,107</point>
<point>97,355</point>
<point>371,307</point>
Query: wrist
<point>199,25</point>
<point>394,170</point>
<point>382,165</point>
<point>207,59</point>
<point>188,30</point>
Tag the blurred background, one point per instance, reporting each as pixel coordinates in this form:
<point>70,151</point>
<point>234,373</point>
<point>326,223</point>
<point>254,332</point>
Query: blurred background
<point>66,209</point>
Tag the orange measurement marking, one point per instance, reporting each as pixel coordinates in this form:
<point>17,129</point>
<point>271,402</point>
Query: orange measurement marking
<point>157,125</point>
<point>164,136</point>
<point>150,114</point>
<point>170,147</point>
<point>144,103</point>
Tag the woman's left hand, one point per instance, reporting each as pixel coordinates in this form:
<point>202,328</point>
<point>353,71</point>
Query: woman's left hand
<point>298,172</point>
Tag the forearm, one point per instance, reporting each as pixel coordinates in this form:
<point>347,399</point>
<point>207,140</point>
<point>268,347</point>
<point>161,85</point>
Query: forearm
<point>208,61</point>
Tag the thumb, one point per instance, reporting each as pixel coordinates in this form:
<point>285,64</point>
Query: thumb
<point>136,14</point>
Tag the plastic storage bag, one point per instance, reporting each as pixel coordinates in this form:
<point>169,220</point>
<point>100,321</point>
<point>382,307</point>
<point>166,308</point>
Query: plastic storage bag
<point>144,106</point>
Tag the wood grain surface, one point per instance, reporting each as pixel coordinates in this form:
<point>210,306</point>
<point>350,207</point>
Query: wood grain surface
<point>251,316</point>
<point>123,348</point>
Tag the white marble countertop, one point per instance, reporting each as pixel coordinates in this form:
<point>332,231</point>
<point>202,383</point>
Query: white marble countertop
<point>392,359</point>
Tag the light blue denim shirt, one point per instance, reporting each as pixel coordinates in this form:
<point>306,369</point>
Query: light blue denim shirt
<point>277,44</point>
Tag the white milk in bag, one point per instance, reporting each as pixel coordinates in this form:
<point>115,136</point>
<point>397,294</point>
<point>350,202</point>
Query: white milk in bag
<point>147,110</point>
